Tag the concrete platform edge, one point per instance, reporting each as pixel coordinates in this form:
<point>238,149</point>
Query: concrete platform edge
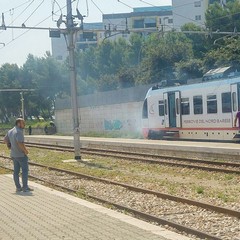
<point>157,230</point>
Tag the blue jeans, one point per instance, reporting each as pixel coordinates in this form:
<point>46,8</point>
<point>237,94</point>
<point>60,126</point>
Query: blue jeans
<point>20,163</point>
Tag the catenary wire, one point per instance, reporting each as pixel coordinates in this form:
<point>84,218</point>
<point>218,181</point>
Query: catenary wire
<point>34,11</point>
<point>8,43</point>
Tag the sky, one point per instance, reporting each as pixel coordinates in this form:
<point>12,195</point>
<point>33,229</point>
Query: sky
<point>19,43</point>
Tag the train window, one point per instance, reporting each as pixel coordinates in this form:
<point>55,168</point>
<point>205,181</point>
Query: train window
<point>145,109</point>
<point>161,108</point>
<point>185,106</point>
<point>226,102</point>
<point>198,105</point>
<point>234,101</point>
<point>212,104</point>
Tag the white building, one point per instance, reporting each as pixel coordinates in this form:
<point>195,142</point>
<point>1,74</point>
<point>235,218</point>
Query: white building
<point>84,40</point>
<point>186,11</point>
<point>140,20</point>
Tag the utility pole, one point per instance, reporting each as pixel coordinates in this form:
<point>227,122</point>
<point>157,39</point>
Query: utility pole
<point>71,30</point>
<point>22,105</point>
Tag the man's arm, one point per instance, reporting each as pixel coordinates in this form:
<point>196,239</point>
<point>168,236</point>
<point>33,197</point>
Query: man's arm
<point>7,141</point>
<point>235,120</point>
<point>23,147</point>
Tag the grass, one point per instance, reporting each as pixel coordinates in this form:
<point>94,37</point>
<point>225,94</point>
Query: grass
<point>200,190</point>
<point>4,171</point>
<point>172,180</point>
<point>114,134</point>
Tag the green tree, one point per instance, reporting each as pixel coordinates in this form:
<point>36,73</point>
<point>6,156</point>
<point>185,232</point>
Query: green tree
<point>161,54</point>
<point>190,69</point>
<point>200,43</point>
<point>219,18</point>
<point>227,54</point>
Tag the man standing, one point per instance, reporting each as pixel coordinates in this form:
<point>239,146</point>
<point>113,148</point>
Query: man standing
<point>237,119</point>
<point>15,141</point>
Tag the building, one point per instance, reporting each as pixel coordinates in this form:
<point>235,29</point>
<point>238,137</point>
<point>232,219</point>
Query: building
<point>143,20</point>
<point>186,11</point>
<point>83,40</point>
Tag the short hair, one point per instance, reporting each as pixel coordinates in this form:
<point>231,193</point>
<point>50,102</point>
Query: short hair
<point>18,120</point>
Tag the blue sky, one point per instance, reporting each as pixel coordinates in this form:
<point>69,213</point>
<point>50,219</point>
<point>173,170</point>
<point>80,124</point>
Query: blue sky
<point>38,42</point>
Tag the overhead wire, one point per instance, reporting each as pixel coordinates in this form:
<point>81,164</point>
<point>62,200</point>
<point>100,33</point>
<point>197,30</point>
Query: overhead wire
<point>18,6</point>
<point>33,12</point>
<point>125,4</point>
<point>101,11</point>
<point>8,43</point>
<point>147,3</point>
<point>24,10</point>
<point>87,7</point>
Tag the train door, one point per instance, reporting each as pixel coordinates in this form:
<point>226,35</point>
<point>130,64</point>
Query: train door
<point>172,109</point>
<point>178,109</point>
<point>166,116</point>
<point>235,100</point>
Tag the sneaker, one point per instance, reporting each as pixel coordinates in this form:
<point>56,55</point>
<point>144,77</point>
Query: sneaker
<point>19,189</point>
<point>28,190</point>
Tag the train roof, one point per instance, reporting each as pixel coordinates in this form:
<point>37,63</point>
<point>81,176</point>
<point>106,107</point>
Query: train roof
<point>193,86</point>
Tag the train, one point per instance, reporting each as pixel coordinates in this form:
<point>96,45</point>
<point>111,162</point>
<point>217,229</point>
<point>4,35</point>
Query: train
<point>199,111</point>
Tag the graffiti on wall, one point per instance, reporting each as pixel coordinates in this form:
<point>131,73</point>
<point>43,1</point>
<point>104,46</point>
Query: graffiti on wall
<point>111,125</point>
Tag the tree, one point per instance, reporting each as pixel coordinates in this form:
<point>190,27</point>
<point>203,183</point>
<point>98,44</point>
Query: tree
<point>225,55</point>
<point>162,53</point>
<point>190,69</point>
<point>227,18</point>
<point>199,42</point>
<point>9,101</point>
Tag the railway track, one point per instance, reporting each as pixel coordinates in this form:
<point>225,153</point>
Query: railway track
<point>183,203</point>
<point>206,165</point>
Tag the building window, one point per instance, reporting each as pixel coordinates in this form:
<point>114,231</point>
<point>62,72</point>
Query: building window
<point>150,22</point>
<point>226,102</point>
<point>197,4</point>
<point>138,23</point>
<point>198,17</point>
<point>185,106</point>
<point>170,20</point>
<point>198,105</point>
<point>161,108</point>
<point>212,104</point>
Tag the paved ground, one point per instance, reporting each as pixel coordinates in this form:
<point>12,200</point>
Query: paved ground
<point>49,214</point>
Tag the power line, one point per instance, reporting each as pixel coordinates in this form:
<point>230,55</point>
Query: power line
<point>101,11</point>
<point>19,6</point>
<point>24,10</point>
<point>125,4</point>
<point>31,28</point>
<point>34,11</point>
<point>87,6</point>
<point>147,3</point>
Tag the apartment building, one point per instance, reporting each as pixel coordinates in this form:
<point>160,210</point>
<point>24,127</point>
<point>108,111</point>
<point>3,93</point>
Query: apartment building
<point>143,20</point>
<point>185,11</point>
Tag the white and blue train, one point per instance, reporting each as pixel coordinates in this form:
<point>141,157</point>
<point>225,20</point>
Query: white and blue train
<point>201,111</point>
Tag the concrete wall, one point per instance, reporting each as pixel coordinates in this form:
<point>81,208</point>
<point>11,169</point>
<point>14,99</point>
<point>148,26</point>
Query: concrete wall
<point>119,110</point>
<point>124,117</point>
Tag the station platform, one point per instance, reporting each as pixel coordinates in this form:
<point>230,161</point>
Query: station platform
<point>49,214</point>
<point>206,150</point>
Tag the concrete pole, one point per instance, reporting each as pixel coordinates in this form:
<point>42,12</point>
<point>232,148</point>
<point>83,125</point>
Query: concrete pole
<point>22,104</point>
<point>73,78</point>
